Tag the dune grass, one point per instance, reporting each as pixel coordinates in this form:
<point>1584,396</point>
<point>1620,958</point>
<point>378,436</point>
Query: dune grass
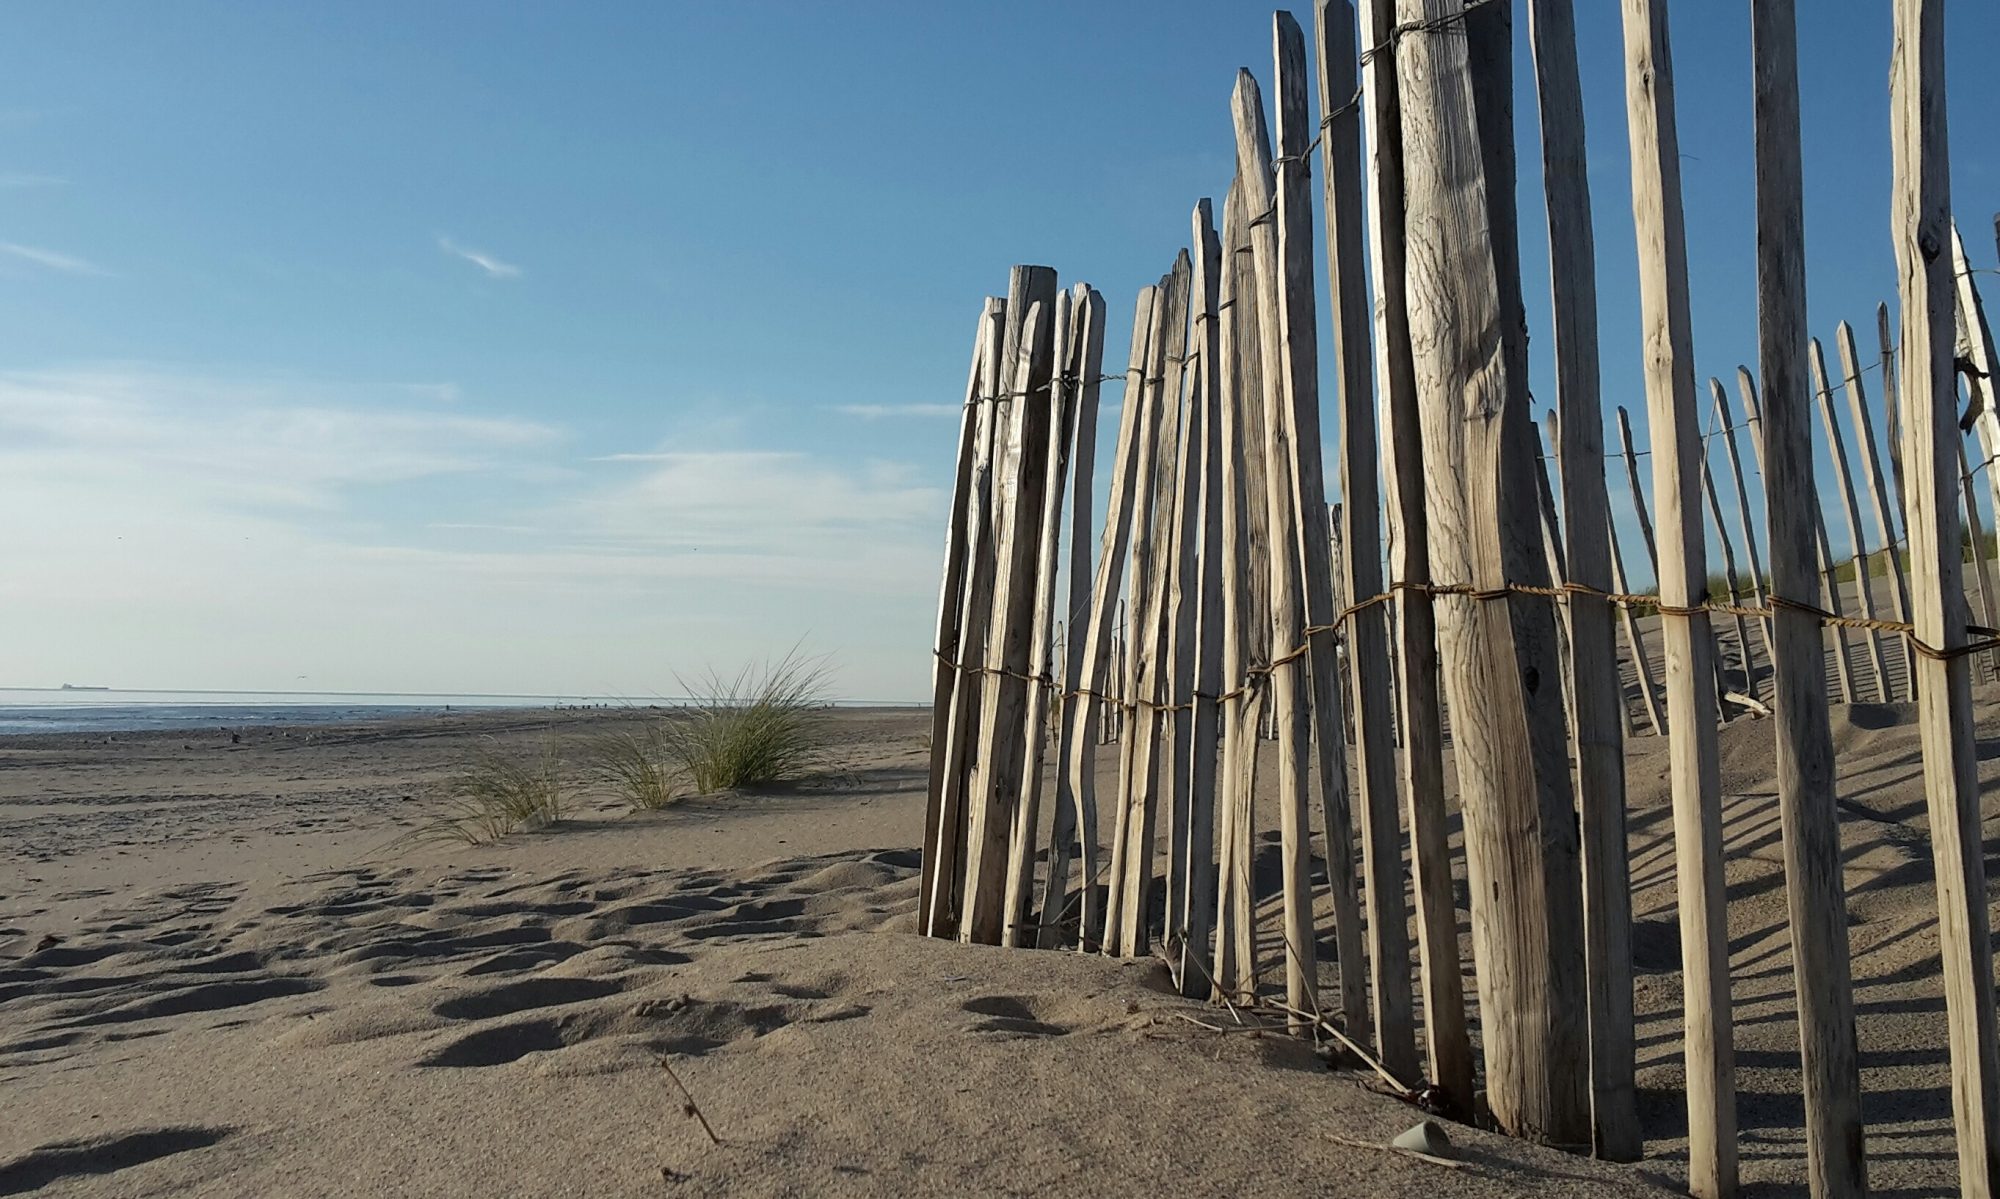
<point>496,794</point>
<point>762,726</point>
<point>638,765</point>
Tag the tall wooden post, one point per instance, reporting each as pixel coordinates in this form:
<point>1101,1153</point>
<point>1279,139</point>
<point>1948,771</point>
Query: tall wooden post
<point>1447,1044</point>
<point>944,813</point>
<point>1639,510</point>
<point>1367,633</point>
<point>1745,523</point>
<point>1921,226</point>
<point>1815,897</point>
<point>1084,647</point>
<point>1695,768</point>
<point>1500,665</point>
<point>1597,708</point>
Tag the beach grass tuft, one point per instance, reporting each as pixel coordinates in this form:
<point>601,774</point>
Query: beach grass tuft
<point>497,794</point>
<point>638,765</point>
<point>760,727</point>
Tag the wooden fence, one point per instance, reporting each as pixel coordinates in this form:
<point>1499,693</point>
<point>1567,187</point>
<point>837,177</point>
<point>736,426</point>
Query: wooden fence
<point>1471,591</point>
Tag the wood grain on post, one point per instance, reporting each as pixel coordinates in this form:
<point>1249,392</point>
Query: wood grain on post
<point>1829,595</point>
<point>1360,462</point>
<point>1499,655</point>
<point>1974,344</point>
<point>1290,687</point>
<point>1017,515</point>
<point>1597,705</point>
<point>1815,898</point>
<point>1676,443</point>
<point>1195,918</point>
<point>1850,508</point>
<point>939,911</point>
<point>948,645</point>
<point>1920,223</point>
<point>1077,721</point>
<point>1878,491</point>
<point>1891,410</point>
<point>1139,574</point>
<point>1746,524</point>
<point>1178,620</point>
<point>1246,615</point>
<point>1447,1044</point>
<point>1022,839</point>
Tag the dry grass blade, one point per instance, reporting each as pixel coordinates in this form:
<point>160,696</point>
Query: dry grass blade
<point>688,1107</point>
<point>494,795</point>
<point>636,765</point>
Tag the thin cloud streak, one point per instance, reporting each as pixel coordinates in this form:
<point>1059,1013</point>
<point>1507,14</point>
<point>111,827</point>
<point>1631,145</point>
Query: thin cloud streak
<point>10,180</point>
<point>51,260</point>
<point>890,411</point>
<point>494,267</point>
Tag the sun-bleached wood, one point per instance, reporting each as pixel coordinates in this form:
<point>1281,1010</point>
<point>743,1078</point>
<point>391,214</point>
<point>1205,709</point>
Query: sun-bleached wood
<point>1635,636</point>
<point>1815,897</point>
<point>1975,533</point>
<point>1850,510</point>
<point>1139,572</point>
<point>1447,1044</point>
<point>1177,623</point>
<point>1000,766</point>
<point>1076,729</point>
<point>1500,667</point>
<point>939,901</point>
<point>1920,225</point>
<point>1829,595</point>
<point>1246,614</point>
<point>942,839</point>
<point>1196,915</point>
<point>1974,345</point>
<point>1892,420</point>
<point>1289,684</point>
<point>1731,579</point>
<point>1878,491</point>
<point>1745,523</point>
<point>1596,700</point>
<point>1291,241</point>
<point>1361,528</point>
<point>1016,929</point>
<point>1676,442</point>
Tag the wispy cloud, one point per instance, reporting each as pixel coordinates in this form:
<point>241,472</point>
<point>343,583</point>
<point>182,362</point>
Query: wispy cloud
<point>439,393</point>
<point>494,267</point>
<point>50,259</point>
<point>10,180</point>
<point>889,411</point>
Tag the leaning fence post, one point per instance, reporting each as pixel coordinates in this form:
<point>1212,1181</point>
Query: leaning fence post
<point>1696,772</point>
<point>1921,225</point>
<point>1864,594</point>
<point>1745,523</point>
<point>1816,898</point>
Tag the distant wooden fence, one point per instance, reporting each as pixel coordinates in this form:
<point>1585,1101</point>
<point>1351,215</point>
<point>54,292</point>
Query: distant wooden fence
<point>1226,603</point>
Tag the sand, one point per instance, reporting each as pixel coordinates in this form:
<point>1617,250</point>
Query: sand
<point>219,977</point>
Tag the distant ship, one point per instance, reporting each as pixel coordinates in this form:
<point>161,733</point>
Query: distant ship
<point>75,687</point>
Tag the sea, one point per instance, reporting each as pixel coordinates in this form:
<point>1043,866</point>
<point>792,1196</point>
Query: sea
<point>93,710</point>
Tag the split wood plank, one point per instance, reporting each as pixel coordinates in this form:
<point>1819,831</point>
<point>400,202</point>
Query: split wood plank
<point>1371,699</point>
<point>1499,655</point>
<point>1921,226</point>
<point>1693,758</point>
<point>1447,1043</point>
<point>1597,695</point>
<point>1816,898</point>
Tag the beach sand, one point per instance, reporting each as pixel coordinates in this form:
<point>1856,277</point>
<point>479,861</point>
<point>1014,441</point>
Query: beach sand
<point>218,976</point>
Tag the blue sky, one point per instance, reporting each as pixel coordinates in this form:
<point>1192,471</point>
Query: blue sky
<point>540,347</point>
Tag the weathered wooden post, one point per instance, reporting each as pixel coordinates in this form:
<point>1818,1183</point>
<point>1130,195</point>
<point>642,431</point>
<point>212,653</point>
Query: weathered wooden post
<point>1499,656</point>
<point>1639,511</point>
<point>1085,646</point>
<point>962,606</point>
<point>1729,575</point>
<point>1017,512</point>
<point>1597,711</point>
<point>1745,523</point>
<point>1815,897</point>
<point>1921,226</point>
<point>1367,634</point>
<point>1676,442</point>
